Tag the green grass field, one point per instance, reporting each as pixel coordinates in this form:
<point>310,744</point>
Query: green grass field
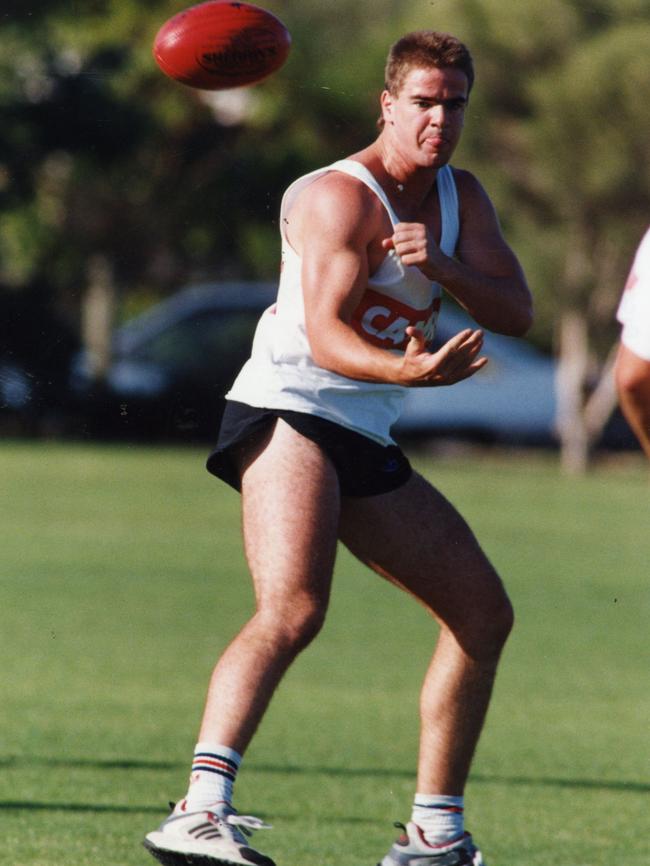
<point>122,578</point>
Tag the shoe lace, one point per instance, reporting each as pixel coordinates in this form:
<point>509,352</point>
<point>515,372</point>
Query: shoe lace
<point>246,823</point>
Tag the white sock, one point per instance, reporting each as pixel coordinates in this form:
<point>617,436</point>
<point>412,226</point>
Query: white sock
<point>214,770</point>
<point>440,817</point>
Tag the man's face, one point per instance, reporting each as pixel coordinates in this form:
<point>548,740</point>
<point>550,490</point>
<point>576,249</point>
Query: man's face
<point>425,118</point>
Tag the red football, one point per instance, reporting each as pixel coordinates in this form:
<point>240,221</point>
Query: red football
<point>218,45</point>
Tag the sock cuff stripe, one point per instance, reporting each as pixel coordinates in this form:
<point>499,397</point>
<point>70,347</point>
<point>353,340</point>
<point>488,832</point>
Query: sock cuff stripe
<point>212,756</point>
<point>201,768</point>
<point>219,764</point>
<point>440,807</point>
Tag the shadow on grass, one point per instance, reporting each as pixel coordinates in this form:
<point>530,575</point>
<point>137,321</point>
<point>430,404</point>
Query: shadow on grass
<point>104,808</point>
<point>36,806</point>
<point>584,784</point>
<point>83,763</point>
<point>288,770</point>
<point>478,778</point>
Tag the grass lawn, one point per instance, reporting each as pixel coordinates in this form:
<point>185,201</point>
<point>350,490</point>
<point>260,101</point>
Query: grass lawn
<point>122,578</point>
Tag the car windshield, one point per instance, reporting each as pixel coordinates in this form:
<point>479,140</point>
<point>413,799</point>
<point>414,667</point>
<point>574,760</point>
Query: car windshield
<point>202,340</point>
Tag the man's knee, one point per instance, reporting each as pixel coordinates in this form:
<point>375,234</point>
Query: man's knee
<point>484,635</point>
<point>504,620</point>
<point>293,627</point>
<point>303,625</point>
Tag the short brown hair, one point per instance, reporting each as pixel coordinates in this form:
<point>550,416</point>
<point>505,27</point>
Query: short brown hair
<point>426,49</point>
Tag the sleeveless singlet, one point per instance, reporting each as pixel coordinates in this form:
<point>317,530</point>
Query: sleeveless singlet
<point>281,372</point>
<point>634,308</point>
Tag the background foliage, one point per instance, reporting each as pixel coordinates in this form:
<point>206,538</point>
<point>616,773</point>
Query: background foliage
<point>101,154</point>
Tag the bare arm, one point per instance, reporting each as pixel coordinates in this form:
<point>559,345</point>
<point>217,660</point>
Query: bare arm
<point>486,277</point>
<point>633,386</point>
<point>333,234</point>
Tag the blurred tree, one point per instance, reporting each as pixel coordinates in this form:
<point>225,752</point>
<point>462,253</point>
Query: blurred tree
<point>102,158</point>
<point>103,155</point>
<point>559,130</point>
<point>590,143</point>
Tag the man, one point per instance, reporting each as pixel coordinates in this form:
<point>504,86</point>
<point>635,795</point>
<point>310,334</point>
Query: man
<point>633,360</point>
<point>367,244</point>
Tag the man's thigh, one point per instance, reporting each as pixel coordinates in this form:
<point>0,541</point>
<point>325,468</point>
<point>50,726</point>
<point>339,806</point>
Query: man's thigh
<point>416,539</point>
<point>290,515</point>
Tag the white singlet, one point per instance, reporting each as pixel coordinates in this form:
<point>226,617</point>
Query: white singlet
<point>281,372</point>
<point>634,309</point>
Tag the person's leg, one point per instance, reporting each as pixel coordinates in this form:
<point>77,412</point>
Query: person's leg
<point>290,509</point>
<point>417,540</point>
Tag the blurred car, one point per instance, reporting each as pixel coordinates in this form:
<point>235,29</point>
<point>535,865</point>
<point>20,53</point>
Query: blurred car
<point>36,347</point>
<point>16,387</point>
<point>18,391</point>
<point>512,400</point>
<point>172,365</point>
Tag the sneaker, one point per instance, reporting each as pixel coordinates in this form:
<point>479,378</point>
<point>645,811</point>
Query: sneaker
<point>206,838</point>
<point>412,849</point>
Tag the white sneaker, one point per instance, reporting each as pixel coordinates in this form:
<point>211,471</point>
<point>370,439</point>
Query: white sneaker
<point>206,838</point>
<point>412,849</point>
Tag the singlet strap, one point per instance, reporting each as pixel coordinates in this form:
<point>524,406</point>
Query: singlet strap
<point>356,169</point>
<point>447,197</point>
<point>346,166</point>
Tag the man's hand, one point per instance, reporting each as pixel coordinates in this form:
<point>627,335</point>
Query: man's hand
<point>455,361</point>
<point>414,245</point>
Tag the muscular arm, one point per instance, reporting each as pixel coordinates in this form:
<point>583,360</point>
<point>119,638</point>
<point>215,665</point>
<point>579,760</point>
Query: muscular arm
<point>332,232</point>
<point>486,277</point>
<point>633,386</point>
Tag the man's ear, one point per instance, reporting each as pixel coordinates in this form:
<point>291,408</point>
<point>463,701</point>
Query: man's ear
<point>386,102</point>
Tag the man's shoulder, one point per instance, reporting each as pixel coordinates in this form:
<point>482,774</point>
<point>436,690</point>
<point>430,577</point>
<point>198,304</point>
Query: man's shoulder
<point>336,197</point>
<point>336,188</point>
<point>475,205</point>
<point>467,184</point>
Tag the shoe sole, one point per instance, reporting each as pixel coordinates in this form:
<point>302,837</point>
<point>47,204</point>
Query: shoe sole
<point>460,857</point>
<point>177,858</point>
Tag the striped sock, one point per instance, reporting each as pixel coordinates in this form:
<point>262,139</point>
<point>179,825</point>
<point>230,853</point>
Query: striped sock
<point>214,770</point>
<point>439,817</point>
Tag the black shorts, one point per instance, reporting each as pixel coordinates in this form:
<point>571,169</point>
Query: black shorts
<point>364,467</point>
